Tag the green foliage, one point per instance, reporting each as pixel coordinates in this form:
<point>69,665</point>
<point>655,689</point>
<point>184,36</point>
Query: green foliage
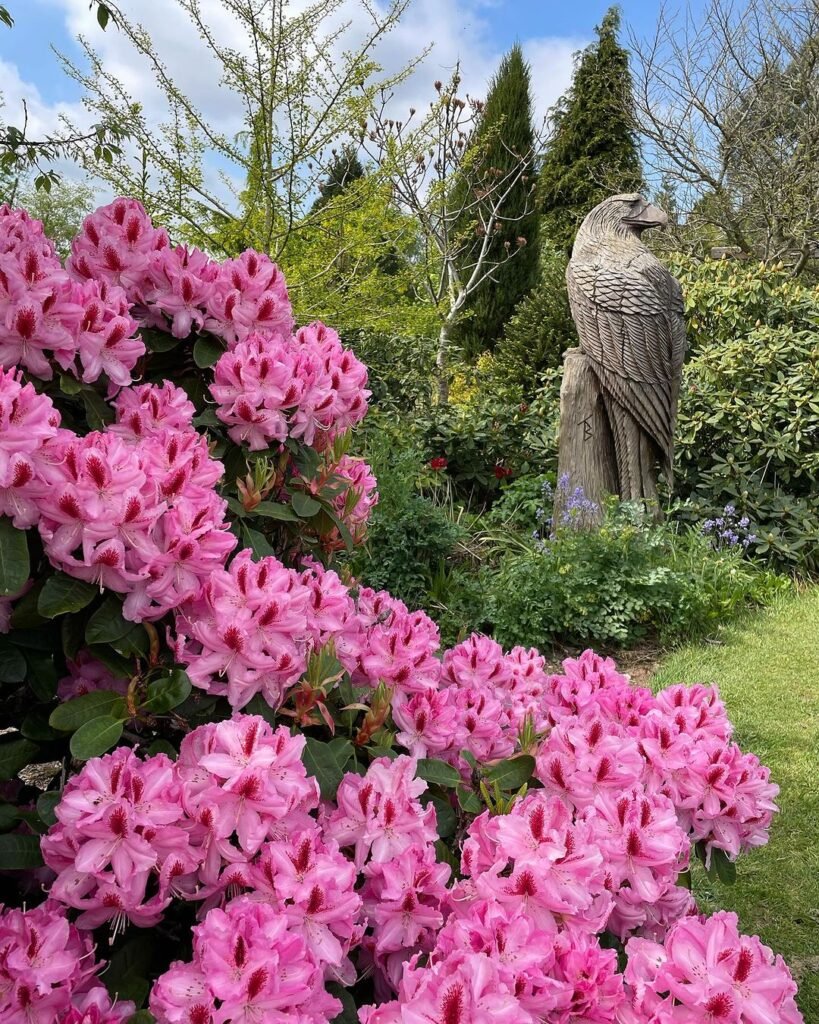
<point>748,430</point>
<point>541,329</point>
<point>351,263</point>
<point>408,536</point>
<point>593,152</point>
<point>629,579</point>
<point>507,132</point>
<point>62,210</point>
<point>400,370</point>
<point>491,430</point>
<point>343,169</point>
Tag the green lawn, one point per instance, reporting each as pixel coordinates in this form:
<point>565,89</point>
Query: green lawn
<point>767,670</point>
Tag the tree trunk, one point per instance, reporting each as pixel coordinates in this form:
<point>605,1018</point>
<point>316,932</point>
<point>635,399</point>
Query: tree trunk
<point>586,447</point>
<point>441,364</point>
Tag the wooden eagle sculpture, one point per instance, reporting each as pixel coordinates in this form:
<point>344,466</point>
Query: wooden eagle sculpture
<point>620,388</point>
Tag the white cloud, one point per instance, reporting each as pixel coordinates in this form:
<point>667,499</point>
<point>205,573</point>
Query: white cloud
<point>43,118</point>
<point>456,30</point>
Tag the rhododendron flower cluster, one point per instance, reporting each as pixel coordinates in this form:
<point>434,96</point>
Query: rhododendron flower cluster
<point>45,317</point>
<point>48,974</point>
<point>132,509</point>
<point>707,971</point>
<point>249,965</point>
<point>307,386</point>
<point>177,288</point>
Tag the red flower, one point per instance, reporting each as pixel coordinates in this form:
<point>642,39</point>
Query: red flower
<point>439,462</point>
<point>501,472</point>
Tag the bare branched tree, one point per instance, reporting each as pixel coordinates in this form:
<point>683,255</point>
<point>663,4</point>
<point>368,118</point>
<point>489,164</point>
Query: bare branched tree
<point>299,79</point>
<point>439,173</point>
<point>728,104</point>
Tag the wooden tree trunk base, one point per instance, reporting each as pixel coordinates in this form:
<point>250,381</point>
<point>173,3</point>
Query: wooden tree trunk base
<point>586,447</point>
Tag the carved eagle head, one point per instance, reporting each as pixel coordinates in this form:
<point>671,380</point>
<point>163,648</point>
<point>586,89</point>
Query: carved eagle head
<point>627,215</point>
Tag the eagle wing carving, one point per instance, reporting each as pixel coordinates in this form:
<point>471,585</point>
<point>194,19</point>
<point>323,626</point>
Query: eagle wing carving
<point>630,321</point>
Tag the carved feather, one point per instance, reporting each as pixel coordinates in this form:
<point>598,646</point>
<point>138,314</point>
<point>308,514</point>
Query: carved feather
<point>629,315</point>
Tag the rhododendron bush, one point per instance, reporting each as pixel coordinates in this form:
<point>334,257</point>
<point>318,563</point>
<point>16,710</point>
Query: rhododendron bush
<point>239,787</point>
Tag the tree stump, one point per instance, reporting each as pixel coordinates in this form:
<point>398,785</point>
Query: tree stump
<point>586,447</point>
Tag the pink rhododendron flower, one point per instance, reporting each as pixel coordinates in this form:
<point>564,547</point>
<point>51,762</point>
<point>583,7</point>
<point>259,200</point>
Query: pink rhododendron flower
<point>48,973</point>
<point>248,965</point>
<point>87,674</point>
<point>379,813</point>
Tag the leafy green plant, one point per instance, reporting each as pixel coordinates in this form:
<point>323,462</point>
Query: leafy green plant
<point>617,584</point>
<point>748,430</point>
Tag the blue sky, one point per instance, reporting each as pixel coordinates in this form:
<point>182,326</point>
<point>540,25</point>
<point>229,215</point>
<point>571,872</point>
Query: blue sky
<point>476,32</point>
<point>39,24</point>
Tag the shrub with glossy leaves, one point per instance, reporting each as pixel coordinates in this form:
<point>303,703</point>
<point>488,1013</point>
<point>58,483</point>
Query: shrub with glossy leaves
<point>264,790</point>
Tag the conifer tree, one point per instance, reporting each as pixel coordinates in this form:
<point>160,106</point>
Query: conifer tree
<point>507,133</point>
<point>593,151</point>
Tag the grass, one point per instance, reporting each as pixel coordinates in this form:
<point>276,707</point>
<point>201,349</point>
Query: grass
<point>767,669</point>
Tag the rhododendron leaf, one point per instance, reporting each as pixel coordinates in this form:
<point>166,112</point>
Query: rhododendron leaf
<point>95,737</point>
<point>69,385</point>
<point>107,625</point>
<point>469,757</point>
<point>20,853</point>
<point>25,614</point>
<point>349,1013</point>
<point>445,818</point>
<point>304,505</point>
<point>724,868</point>
<point>272,510</point>
<point>99,413</point>
<point>14,755</point>
<point>342,749</point>
<point>14,561</point>
<point>206,351</point>
<point>74,713</point>
<point>158,341</point>
<point>72,635</point>
<point>126,974</point>
<point>167,693</point>
<point>8,816</point>
<point>42,674</point>
<point>512,773</point>
<point>115,662</point>
<point>445,855</point>
<point>46,802</point>
<point>257,542</point>
<point>341,526</point>
<point>257,705</point>
<point>326,764</point>
<point>432,770</point>
<point>161,746</point>
<point>12,663</point>
<point>469,800</point>
<point>35,727</point>
<point>306,459</point>
<point>207,418</point>
<point>62,593</point>
<point>377,751</point>
<point>142,1017</point>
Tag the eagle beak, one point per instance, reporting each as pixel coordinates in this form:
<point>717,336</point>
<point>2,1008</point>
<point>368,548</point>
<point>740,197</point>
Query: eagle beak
<point>648,217</point>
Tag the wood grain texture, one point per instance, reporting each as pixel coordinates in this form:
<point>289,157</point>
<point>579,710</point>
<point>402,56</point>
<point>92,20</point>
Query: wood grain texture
<point>628,310</point>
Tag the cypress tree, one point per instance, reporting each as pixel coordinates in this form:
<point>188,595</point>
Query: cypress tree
<point>343,169</point>
<point>593,152</point>
<point>506,132</point>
